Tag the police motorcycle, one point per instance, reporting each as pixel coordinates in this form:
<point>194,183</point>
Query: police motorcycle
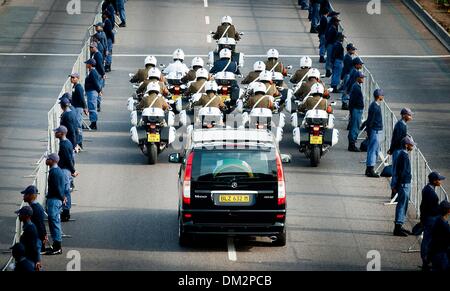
<point>230,43</point>
<point>291,100</point>
<point>227,92</point>
<point>286,93</point>
<point>314,133</point>
<point>152,128</point>
<point>149,60</point>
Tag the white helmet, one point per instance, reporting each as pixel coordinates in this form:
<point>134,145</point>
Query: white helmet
<point>153,87</point>
<point>314,73</point>
<point>305,62</point>
<point>178,54</point>
<point>259,66</point>
<point>202,73</point>
<point>154,73</point>
<point>317,88</point>
<point>259,87</point>
<point>265,76</point>
<point>197,62</point>
<point>211,86</point>
<point>227,19</point>
<point>225,53</point>
<point>273,53</point>
<point>277,76</point>
<point>150,60</point>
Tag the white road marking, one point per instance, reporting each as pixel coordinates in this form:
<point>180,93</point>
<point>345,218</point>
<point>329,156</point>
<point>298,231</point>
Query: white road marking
<point>231,250</point>
<point>207,20</point>
<point>208,40</point>
<point>205,3</point>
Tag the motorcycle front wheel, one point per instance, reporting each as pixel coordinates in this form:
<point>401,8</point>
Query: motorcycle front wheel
<point>315,156</point>
<point>152,153</point>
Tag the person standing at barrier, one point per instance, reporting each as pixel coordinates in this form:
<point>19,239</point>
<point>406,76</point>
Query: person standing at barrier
<point>38,217</point>
<point>348,62</point>
<point>29,237</point>
<point>108,27</point>
<point>79,104</point>
<point>357,66</point>
<point>330,39</point>
<point>111,7</point>
<point>323,25</point>
<point>93,88</point>
<point>356,108</point>
<point>429,212</point>
<point>337,61</point>
<point>374,127</point>
<point>22,263</point>
<point>121,12</point>
<point>400,132</point>
<point>403,185</point>
<point>67,165</point>
<point>315,17</point>
<point>97,56</point>
<point>439,250</point>
<point>55,200</point>
<point>101,37</point>
<point>70,120</point>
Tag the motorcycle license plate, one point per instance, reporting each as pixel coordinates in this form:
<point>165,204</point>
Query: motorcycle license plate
<point>153,137</point>
<point>175,97</point>
<point>315,139</point>
<point>234,198</point>
<point>225,98</point>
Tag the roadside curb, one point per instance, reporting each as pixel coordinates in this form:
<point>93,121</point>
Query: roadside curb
<point>430,23</point>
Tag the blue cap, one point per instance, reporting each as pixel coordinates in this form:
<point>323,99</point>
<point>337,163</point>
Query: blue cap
<point>99,24</point>
<point>90,62</point>
<point>66,95</point>
<point>93,44</point>
<point>357,61</point>
<point>408,140</point>
<point>74,75</point>
<point>30,190</point>
<point>433,176</point>
<point>360,75</point>
<point>26,210</point>
<point>406,111</point>
<point>350,46</point>
<point>61,128</point>
<point>378,92</point>
<point>64,101</point>
<point>53,157</point>
<point>333,13</point>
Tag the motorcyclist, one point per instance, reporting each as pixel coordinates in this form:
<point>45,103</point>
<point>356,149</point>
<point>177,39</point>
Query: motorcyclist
<point>199,85</point>
<point>258,67</point>
<point>226,29</point>
<point>196,64</point>
<point>210,99</point>
<point>265,77</point>
<point>305,88</point>
<point>305,65</point>
<point>225,64</point>
<point>142,74</point>
<point>316,99</point>
<point>154,75</point>
<point>152,93</point>
<point>259,98</point>
<point>278,80</point>
<point>178,64</point>
<point>273,63</point>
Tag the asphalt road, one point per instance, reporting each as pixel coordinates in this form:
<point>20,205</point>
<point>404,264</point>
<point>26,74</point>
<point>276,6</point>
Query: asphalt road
<point>126,212</point>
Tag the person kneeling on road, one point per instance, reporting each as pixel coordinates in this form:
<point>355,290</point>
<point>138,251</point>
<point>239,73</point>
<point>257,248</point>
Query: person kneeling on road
<point>152,98</point>
<point>315,100</point>
<point>210,99</point>
<point>374,126</point>
<point>259,98</point>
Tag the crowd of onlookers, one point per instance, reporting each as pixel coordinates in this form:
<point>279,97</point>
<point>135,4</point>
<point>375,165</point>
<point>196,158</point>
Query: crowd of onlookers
<point>87,99</point>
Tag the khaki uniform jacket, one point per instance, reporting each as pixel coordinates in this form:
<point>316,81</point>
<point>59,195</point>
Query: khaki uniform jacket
<point>231,32</point>
<point>162,88</point>
<point>279,68</point>
<point>190,76</point>
<point>250,77</point>
<point>147,101</point>
<point>140,76</point>
<point>305,88</point>
<point>272,90</point>
<point>195,87</point>
<point>298,76</point>
<point>311,101</point>
<point>265,102</point>
<point>217,102</point>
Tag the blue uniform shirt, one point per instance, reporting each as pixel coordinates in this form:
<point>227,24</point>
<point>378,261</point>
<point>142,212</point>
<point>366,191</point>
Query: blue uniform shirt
<point>70,120</point>
<point>429,207</point>
<point>92,81</point>
<point>374,117</point>
<point>56,184</point>
<point>66,159</point>
<point>403,169</point>
<point>38,219</point>
<point>400,132</point>
<point>356,97</point>
<point>78,96</point>
<point>29,239</point>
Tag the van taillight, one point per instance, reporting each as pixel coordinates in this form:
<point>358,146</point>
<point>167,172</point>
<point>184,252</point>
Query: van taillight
<point>281,183</point>
<point>187,180</point>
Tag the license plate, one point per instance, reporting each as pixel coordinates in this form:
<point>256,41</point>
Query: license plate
<point>175,97</point>
<point>234,198</point>
<point>315,140</point>
<point>153,137</point>
<point>225,98</point>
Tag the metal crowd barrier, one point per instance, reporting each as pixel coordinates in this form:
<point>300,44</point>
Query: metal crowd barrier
<point>40,173</point>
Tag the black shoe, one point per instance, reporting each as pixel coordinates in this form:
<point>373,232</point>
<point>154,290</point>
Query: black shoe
<point>93,125</point>
<point>393,194</point>
<point>80,145</point>
<point>313,30</point>
<point>335,89</point>
<point>107,68</point>
<point>352,148</point>
<point>406,231</point>
<point>322,59</point>
<point>55,249</point>
<point>123,24</point>
<point>399,232</point>
<point>345,107</point>
<point>328,74</point>
<point>371,173</point>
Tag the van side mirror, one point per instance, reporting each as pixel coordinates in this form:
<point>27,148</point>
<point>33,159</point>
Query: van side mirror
<point>175,158</point>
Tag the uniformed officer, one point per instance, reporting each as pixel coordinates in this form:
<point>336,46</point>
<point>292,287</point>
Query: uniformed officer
<point>225,63</point>
<point>440,239</point>
<point>178,64</point>
<point>354,72</point>
<point>152,98</point>
<point>337,61</point>
<point>265,77</point>
<point>38,218</point>
<point>400,132</point>
<point>29,237</point>
<point>429,212</point>
<point>348,62</point>
<point>273,63</point>
<point>322,29</point>
<point>101,36</point>
<point>300,75</point>
<point>142,74</point>
<point>108,28</point>
<point>22,264</point>
<point>226,29</point>
<point>210,99</point>
<point>356,108</point>
<point>403,185</point>
<point>69,119</point>
<point>93,89</point>
<point>154,75</point>
<point>304,89</point>
<point>330,38</point>
<point>315,99</point>
<point>258,67</point>
<point>197,63</point>
<point>199,85</point>
<point>79,104</point>
<point>259,98</point>
<point>374,127</point>
<point>98,57</point>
